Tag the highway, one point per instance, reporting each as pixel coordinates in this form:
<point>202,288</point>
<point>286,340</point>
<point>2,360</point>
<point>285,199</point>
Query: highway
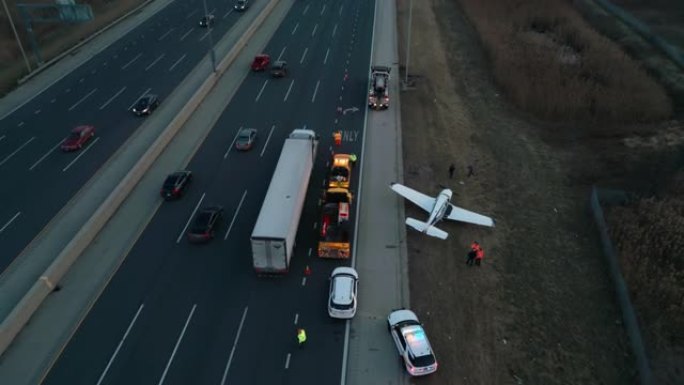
<point>38,179</point>
<point>177,313</point>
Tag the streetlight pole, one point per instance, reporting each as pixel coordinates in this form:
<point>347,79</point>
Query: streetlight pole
<point>16,35</point>
<point>211,39</point>
<point>408,42</point>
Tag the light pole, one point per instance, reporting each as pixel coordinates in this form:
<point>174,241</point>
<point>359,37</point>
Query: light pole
<point>16,35</point>
<point>408,42</point>
<point>211,39</point>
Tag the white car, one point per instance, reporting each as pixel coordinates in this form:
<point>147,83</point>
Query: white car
<point>343,287</point>
<point>412,343</point>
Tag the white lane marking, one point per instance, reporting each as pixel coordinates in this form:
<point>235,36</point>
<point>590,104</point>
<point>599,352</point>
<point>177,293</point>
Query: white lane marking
<point>165,35</point>
<point>287,361</point>
<point>315,225</point>
<point>262,90</point>
<point>309,251</point>
<point>53,100</point>
<point>189,219</point>
<point>232,143</point>
<point>175,348</point>
<point>116,351</point>
<point>326,56</point>
<point>155,61</point>
<point>176,63</point>
<point>36,112</point>
<point>68,90</point>
<point>205,35</point>
<point>2,137</point>
<point>334,30</point>
<point>230,227</point>
<point>227,13</point>
<point>81,154</point>
<point>93,71</point>
<point>81,80</point>
<point>186,34</point>
<point>295,29</point>
<point>303,55</point>
<point>232,350</point>
<point>288,90</point>
<point>104,64</point>
<point>10,221</point>
<point>282,51</point>
<point>112,98</point>
<point>46,154</point>
<point>314,30</point>
<point>341,6</point>
<point>139,97</point>
<point>313,98</point>
<point>296,318</point>
<point>82,99</point>
<point>267,139</point>
<point>131,61</point>
<point>17,150</point>
<point>303,281</point>
<point>306,10</point>
<point>191,13</point>
<point>20,124</point>
<point>323,10</point>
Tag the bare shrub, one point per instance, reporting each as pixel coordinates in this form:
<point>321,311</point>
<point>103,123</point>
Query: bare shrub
<point>551,63</point>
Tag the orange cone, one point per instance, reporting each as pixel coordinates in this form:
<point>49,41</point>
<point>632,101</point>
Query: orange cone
<point>307,270</point>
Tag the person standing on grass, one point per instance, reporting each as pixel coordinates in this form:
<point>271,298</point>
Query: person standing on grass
<point>474,247</point>
<point>452,168</point>
<point>479,255</point>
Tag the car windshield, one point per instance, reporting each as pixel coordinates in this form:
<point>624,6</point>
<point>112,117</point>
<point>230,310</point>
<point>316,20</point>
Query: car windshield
<point>142,103</point>
<point>243,136</point>
<point>74,136</point>
<point>201,222</point>
<point>340,172</point>
<point>171,180</point>
<point>241,2</point>
<point>422,361</point>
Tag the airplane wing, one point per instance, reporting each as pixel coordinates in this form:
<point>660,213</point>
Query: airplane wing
<point>421,200</point>
<point>461,215</point>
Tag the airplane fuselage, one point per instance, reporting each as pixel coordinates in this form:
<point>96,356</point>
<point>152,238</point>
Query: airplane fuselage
<point>440,208</point>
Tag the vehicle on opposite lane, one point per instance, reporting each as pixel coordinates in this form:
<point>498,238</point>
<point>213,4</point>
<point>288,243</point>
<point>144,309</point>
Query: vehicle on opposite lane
<point>205,224</point>
<point>78,137</point>
<point>260,62</point>
<point>279,69</point>
<point>146,104</point>
<point>175,184</point>
<point>245,139</point>
<point>412,342</point>
<point>241,5</point>
<point>344,283</point>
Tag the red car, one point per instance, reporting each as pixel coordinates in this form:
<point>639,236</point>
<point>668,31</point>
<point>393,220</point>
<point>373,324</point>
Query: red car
<point>260,62</point>
<point>79,136</point>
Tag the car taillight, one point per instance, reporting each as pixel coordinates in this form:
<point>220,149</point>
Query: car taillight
<point>176,190</point>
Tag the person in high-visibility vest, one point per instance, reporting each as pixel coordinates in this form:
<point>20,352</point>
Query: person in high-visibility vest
<point>301,336</point>
<point>352,157</point>
<point>337,136</point>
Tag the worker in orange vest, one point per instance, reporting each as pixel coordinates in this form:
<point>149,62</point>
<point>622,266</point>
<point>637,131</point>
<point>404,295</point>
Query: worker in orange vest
<point>479,255</point>
<point>337,136</point>
<point>301,337</point>
<point>474,247</point>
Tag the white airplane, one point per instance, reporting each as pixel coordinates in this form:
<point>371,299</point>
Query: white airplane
<point>439,208</point>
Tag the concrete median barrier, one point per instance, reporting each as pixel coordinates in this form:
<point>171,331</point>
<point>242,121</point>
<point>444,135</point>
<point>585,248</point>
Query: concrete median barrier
<point>30,302</point>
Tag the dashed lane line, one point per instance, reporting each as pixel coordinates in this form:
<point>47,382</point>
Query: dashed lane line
<point>116,351</point>
<point>189,219</point>
<point>8,157</point>
<point>267,139</point>
<point>81,154</point>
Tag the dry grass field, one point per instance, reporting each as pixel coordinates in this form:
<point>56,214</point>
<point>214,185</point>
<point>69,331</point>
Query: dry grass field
<point>543,106</point>
<point>53,38</point>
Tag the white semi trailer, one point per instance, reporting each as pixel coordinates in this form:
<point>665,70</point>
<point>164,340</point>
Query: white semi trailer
<point>273,237</point>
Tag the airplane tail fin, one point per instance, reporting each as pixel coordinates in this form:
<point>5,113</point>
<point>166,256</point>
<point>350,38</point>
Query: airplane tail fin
<point>424,228</point>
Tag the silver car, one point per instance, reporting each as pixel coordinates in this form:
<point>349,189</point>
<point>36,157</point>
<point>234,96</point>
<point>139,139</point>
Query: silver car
<point>343,288</point>
<point>412,342</point>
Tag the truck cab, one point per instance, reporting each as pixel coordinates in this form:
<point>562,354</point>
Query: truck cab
<point>378,95</point>
<point>340,172</point>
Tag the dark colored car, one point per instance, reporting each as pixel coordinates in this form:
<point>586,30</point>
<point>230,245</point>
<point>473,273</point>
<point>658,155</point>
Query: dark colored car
<point>205,224</point>
<point>279,69</point>
<point>78,137</point>
<point>175,184</point>
<point>245,139</point>
<point>146,104</point>
<point>241,5</point>
<point>260,62</point>
<point>206,21</point>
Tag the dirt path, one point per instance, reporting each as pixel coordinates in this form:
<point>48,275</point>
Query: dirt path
<point>541,309</point>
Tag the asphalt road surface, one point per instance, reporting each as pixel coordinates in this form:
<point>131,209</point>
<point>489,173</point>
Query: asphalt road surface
<point>37,178</point>
<point>177,313</point>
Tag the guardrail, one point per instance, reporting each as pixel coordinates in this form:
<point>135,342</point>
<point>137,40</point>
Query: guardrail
<point>27,306</point>
<point>621,291</point>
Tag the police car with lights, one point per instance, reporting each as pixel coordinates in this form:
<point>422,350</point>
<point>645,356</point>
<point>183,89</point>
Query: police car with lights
<point>412,342</point>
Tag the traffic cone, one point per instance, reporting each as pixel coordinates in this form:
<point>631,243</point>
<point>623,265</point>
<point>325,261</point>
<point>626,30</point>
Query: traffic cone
<point>307,270</point>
